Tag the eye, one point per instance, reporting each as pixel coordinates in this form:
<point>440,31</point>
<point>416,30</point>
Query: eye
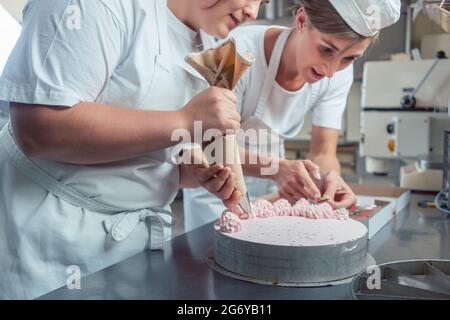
<point>351,59</point>
<point>264,2</point>
<point>326,51</point>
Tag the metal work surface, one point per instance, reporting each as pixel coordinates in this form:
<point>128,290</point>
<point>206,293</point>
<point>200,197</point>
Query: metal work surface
<point>182,272</point>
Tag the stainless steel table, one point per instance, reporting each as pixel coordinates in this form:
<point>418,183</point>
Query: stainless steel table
<point>181,272</point>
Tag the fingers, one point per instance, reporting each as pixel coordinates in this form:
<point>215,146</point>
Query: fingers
<point>227,189</point>
<point>310,188</point>
<point>313,169</point>
<point>216,108</point>
<point>233,118</point>
<point>233,201</point>
<point>230,96</point>
<point>289,193</point>
<point>230,101</point>
<point>345,198</point>
<point>232,126</point>
<point>216,182</point>
<point>295,188</point>
<point>221,182</point>
<point>339,193</point>
<point>346,202</point>
<point>288,196</point>
<point>232,115</point>
<point>330,192</point>
<point>298,174</point>
<point>203,174</point>
<point>230,119</point>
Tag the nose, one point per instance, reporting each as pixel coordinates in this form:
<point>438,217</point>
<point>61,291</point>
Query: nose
<point>332,67</point>
<point>251,10</point>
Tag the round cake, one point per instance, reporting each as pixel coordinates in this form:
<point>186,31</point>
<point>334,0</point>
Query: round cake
<point>280,243</point>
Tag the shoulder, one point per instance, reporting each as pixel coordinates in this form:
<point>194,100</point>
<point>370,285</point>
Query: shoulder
<point>131,14</point>
<point>248,38</point>
<point>270,38</point>
<point>257,39</point>
<point>247,32</point>
<point>123,13</point>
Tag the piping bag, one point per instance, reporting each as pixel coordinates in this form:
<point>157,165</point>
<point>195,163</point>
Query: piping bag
<point>223,67</point>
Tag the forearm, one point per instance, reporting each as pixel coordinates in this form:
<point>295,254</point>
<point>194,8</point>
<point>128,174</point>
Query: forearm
<point>92,133</point>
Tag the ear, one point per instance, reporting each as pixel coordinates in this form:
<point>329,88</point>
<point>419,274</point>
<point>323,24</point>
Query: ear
<point>300,20</point>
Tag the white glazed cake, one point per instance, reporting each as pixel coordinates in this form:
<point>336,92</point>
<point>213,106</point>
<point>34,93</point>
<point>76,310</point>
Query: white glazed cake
<point>280,243</point>
<point>299,231</point>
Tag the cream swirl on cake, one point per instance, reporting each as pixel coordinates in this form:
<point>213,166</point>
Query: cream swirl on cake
<point>230,220</point>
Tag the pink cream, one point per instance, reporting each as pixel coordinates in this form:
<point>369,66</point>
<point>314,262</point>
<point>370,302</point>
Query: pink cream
<point>230,220</point>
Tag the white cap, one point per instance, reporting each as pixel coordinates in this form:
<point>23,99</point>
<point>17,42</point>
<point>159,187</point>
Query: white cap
<point>367,17</point>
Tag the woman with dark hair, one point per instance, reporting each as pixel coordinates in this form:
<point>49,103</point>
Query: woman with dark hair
<point>96,88</point>
<point>307,68</point>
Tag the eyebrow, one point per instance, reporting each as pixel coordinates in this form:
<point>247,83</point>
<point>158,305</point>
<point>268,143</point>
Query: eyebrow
<point>355,56</point>
<point>331,45</point>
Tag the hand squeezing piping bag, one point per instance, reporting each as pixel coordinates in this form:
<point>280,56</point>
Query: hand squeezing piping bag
<point>223,67</point>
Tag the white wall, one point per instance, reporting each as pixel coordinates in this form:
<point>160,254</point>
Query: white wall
<point>14,7</point>
<point>10,33</point>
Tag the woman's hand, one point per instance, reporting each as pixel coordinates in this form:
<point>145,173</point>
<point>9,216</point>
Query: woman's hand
<point>217,179</point>
<point>215,108</point>
<point>298,179</point>
<point>338,192</point>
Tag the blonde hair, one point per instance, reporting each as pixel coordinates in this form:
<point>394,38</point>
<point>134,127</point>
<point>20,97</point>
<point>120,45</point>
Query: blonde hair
<point>322,16</point>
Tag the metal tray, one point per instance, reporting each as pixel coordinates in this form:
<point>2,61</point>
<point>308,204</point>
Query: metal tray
<point>405,280</point>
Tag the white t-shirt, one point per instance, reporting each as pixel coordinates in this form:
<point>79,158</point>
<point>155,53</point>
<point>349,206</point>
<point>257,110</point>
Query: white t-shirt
<point>286,110</point>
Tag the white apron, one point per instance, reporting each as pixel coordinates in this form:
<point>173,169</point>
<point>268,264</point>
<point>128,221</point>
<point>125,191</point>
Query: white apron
<point>47,226</point>
<point>200,206</point>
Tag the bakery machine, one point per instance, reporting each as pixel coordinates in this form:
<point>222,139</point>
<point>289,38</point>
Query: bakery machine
<point>404,113</point>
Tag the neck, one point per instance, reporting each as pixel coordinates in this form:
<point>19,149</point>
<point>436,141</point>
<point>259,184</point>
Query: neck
<point>288,64</point>
<point>180,9</point>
